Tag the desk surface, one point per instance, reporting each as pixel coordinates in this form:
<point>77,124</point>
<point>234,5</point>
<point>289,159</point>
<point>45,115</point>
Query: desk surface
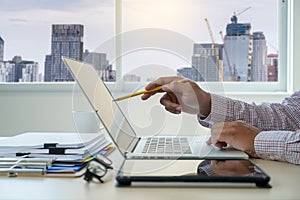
<point>285,181</point>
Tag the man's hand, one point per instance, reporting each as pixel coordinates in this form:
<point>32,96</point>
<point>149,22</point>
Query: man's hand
<point>237,134</point>
<point>181,95</point>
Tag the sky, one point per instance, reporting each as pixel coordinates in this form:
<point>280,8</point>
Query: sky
<point>25,26</point>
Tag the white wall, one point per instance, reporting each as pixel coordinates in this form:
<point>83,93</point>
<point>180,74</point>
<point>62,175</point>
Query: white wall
<point>52,111</point>
<point>34,111</point>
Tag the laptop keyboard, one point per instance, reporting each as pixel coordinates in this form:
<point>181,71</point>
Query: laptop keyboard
<point>167,145</point>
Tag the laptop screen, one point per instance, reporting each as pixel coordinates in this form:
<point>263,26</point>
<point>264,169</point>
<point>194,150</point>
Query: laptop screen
<point>102,102</point>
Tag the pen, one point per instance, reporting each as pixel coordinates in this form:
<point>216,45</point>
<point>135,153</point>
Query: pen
<point>138,93</point>
<point>142,92</point>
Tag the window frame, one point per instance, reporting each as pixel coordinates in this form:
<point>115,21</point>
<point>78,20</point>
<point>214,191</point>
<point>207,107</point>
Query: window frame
<point>286,84</point>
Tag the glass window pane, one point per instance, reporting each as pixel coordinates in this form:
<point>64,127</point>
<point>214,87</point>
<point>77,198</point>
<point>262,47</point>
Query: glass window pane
<point>35,34</point>
<point>231,40</point>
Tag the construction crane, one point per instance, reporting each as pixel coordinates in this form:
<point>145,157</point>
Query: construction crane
<point>239,13</point>
<point>227,58</point>
<point>234,17</point>
<point>213,45</point>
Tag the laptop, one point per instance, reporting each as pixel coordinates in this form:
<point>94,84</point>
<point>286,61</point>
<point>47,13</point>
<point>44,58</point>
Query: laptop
<point>123,135</point>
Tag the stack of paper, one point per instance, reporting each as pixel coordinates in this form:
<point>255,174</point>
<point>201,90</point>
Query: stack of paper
<point>60,146</point>
<point>68,153</point>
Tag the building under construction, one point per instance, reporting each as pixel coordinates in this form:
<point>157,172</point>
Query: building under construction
<point>238,44</point>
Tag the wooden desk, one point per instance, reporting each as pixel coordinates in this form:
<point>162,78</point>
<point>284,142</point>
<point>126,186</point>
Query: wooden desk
<point>285,181</point>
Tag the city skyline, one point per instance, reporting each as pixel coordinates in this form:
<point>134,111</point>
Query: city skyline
<point>67,41</point>
<point>22,26</point>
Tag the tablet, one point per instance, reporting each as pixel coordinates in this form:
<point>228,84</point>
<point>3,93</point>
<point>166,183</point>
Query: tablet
<point>238,173</point>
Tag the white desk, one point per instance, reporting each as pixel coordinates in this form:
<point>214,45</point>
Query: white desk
<point>285,181</point>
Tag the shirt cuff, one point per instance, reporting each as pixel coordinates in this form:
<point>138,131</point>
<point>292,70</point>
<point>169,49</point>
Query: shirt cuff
<point>276,145</point>
<point>218,111</point>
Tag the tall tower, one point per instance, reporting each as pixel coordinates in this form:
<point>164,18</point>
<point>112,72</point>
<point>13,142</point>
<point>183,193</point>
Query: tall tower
<point>47,68</point>
<point>272,63</point>
<point>205,65</point>
<point>1,49</point>
<point>259,69</point>
<point>238,43</point>
<point>67,40</point>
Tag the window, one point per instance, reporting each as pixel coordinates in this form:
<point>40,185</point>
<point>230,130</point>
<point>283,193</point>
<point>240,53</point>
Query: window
<point>253,53</point>
<point>37,33</point>
<point>238,42</point>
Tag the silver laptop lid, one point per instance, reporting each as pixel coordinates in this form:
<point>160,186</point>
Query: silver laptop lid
<point>102,102</point>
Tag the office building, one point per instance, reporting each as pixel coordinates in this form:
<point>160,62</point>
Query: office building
<point>99,60</point>
<point>30,71</point>
<point>101,64</point>
<point>67,40</point>
<point>238,44</point>
<point>187,72</point>
<point>25,71</point>
<point>18,69</point>
<point>259,69</point>
<point>47,68</point>
<point>7,71</point>
<point>204,62</point>
<point>1,49</point>
<point>272,63</point>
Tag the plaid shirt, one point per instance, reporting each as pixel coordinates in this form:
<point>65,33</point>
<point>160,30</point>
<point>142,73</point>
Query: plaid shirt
<point>279,123</point>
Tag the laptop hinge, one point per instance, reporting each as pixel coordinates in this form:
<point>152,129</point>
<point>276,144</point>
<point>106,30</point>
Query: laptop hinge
<point>136,143</point>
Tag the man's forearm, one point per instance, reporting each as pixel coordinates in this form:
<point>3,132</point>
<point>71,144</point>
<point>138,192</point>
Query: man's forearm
<point>264,117</point>
<point>278,145</point>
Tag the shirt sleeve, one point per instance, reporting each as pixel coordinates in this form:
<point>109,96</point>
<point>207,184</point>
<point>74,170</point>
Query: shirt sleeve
<point>267,116</point>
<point>278,145</point>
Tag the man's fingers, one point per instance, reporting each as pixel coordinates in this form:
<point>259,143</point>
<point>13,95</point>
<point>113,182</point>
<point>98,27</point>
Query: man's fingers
<point>161,81</point>
<point>169,103</point>
<point>218,135</point>
<point>147,95</point>
<point>221,144</point>
<point>209,141</point>
<point>152,85</point>
<point>217,144</point>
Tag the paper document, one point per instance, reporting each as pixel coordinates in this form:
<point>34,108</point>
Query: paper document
<point>44,139</point>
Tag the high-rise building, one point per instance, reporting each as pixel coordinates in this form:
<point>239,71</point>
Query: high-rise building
<point>204,62</point>
<point>25,71</point>
<point>1,49</point>
<point>67,40</point>
<point>238,44</point>
<point>187,72</point>
<point>18,70</point>
<point>30,71</point>
<point>259,70</point>
<point>101,64</point>
<point>7,71</point>
<point>99,60</point>
<point>47,68</point>
<point>272,63</point>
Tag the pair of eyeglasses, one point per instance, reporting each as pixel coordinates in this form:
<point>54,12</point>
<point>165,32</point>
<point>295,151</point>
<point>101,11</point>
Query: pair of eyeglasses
<point>97,168</point>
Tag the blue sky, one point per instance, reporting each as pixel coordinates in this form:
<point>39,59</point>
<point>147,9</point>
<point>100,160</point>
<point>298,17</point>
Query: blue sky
<point>26,25</point>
